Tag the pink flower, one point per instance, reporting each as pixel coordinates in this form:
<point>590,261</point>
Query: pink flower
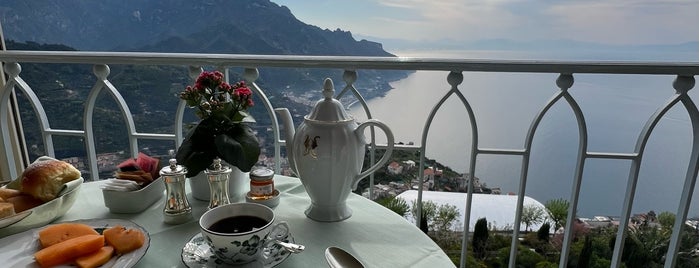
<point>213,96</point>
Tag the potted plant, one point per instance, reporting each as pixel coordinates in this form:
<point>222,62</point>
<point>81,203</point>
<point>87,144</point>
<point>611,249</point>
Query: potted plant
<point>224,128</point>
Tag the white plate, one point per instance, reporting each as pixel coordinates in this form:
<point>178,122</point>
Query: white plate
<point>198,254</point>
<point>18,250</point>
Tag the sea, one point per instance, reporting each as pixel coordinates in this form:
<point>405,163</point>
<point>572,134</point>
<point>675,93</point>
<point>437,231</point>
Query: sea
<point>616,108</point>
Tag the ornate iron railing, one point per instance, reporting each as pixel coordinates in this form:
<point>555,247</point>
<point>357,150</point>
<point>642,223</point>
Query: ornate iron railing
<point>453,68</point>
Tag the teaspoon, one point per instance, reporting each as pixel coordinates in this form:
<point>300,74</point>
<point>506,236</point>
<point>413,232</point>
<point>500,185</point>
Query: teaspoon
<point>339,258</point>
<point>291,247</point>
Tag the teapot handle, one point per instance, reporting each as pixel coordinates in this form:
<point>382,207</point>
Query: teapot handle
<point>389,140</point>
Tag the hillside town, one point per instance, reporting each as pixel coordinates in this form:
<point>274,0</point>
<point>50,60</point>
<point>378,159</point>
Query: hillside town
<point>434,179</point>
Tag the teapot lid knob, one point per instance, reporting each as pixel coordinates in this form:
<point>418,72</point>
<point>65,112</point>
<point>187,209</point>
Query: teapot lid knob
<point>328,109</point>
<point>328,89</point>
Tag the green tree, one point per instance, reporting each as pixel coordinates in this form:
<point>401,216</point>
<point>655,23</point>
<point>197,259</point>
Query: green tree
<point>585,253</point>
<point>437,222</point>
<point>666,219</point>
<point>395,204</point>
<point>644,247</point>
<point>689,246</point>
<point>446,217</point>
<point>557,210</point>
<point>543,233</point>
<point>546,264</point>
<point>525,257</point>
<point>531,215</point>
<point>429,209</point>
<point>480,238</point>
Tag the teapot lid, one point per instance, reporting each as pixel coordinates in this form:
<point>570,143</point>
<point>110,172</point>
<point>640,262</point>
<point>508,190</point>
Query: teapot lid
<point>328,109</point>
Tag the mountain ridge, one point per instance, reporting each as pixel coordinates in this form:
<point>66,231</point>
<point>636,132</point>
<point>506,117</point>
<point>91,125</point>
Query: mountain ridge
<point>210,26</point>
<point>115,25</point>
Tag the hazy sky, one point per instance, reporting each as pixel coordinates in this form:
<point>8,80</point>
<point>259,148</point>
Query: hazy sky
<point>616,22</point>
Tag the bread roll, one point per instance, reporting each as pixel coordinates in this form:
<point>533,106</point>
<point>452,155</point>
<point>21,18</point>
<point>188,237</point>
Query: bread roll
<point>6,209</point>
<point>44,179</point>
<point>7,193</point>
<point>24,202</point>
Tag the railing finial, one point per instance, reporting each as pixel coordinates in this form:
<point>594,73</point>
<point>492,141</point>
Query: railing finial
<point>683,84</point>
<point>455,78</point>
<point>350,76</point>
<point>101,71</point>
<point>565,81</point>
<point>13,69</point>
<point>194,71</point>
<point>251,74</point>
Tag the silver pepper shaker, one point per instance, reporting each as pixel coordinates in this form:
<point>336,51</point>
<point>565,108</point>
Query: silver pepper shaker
<point>177,209</point>
<point>217,175</point>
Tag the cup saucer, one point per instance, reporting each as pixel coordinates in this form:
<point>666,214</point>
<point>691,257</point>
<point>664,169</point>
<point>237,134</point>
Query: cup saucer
<point>196,253</point>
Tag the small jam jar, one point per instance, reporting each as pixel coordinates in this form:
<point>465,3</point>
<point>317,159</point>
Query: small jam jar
<point>261,183</point>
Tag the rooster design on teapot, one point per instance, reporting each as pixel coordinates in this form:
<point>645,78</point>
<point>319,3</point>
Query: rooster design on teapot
<point>311,145</point>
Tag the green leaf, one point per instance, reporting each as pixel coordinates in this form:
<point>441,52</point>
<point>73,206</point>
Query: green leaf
<point>238,146</point>
<point>235,143</point>
<point>197,151</point>
<point>238,116</point>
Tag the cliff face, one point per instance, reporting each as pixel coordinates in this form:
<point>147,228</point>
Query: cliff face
<point>217,26</point>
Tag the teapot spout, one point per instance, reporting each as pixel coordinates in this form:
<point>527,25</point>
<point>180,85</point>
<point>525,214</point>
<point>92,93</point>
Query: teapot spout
<point>289,129</point>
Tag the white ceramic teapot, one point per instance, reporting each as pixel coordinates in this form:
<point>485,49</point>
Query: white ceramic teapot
<point>327,152</point>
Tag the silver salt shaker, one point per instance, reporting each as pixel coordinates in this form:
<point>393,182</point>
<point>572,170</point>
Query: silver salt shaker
<point>217,175</point>
<point>177,209</point>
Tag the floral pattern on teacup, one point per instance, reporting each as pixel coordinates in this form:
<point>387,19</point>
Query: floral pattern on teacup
<point>198,253</point>
<point>247,248</point>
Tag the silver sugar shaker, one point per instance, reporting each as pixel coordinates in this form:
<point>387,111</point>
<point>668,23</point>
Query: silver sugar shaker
<point>217,175</point>
<point>177,209</point>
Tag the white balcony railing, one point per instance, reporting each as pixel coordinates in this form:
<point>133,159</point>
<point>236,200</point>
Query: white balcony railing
<point>453,69</point>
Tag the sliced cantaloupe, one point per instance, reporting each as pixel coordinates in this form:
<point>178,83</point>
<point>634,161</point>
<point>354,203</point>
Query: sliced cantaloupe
<point>95,259</point>
<point>124,240</point>
<point>56,233</point>
<point>69,250</point>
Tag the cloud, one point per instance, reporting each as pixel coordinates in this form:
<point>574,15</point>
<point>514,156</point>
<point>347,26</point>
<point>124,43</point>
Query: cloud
<point>600,21</point>
<point>447,19</point>
<point>627,21</point>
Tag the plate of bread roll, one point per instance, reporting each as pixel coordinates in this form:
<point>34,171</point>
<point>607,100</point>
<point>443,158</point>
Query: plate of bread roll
<point>44,191</point>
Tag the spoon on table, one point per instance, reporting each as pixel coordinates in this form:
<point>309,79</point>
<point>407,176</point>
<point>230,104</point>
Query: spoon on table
<point>339,258</point>
<point>290,247</point>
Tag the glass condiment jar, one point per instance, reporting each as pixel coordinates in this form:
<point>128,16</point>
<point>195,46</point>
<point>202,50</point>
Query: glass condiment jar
<point>217,175</point>
<point>261,184</point>
<point>177,209</point>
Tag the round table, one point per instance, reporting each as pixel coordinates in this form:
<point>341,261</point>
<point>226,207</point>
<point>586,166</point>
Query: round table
<point>374,234</point>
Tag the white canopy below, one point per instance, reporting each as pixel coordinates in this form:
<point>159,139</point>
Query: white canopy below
<point>499,210</point>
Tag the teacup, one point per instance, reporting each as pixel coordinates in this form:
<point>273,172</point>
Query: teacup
<point>240,233</point>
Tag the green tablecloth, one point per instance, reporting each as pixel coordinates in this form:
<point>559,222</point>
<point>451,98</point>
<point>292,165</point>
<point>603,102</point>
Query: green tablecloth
<point>376,235</point>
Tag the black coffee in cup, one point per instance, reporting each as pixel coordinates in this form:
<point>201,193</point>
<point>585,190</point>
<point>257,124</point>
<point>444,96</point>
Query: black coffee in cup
<point>238,224</point>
